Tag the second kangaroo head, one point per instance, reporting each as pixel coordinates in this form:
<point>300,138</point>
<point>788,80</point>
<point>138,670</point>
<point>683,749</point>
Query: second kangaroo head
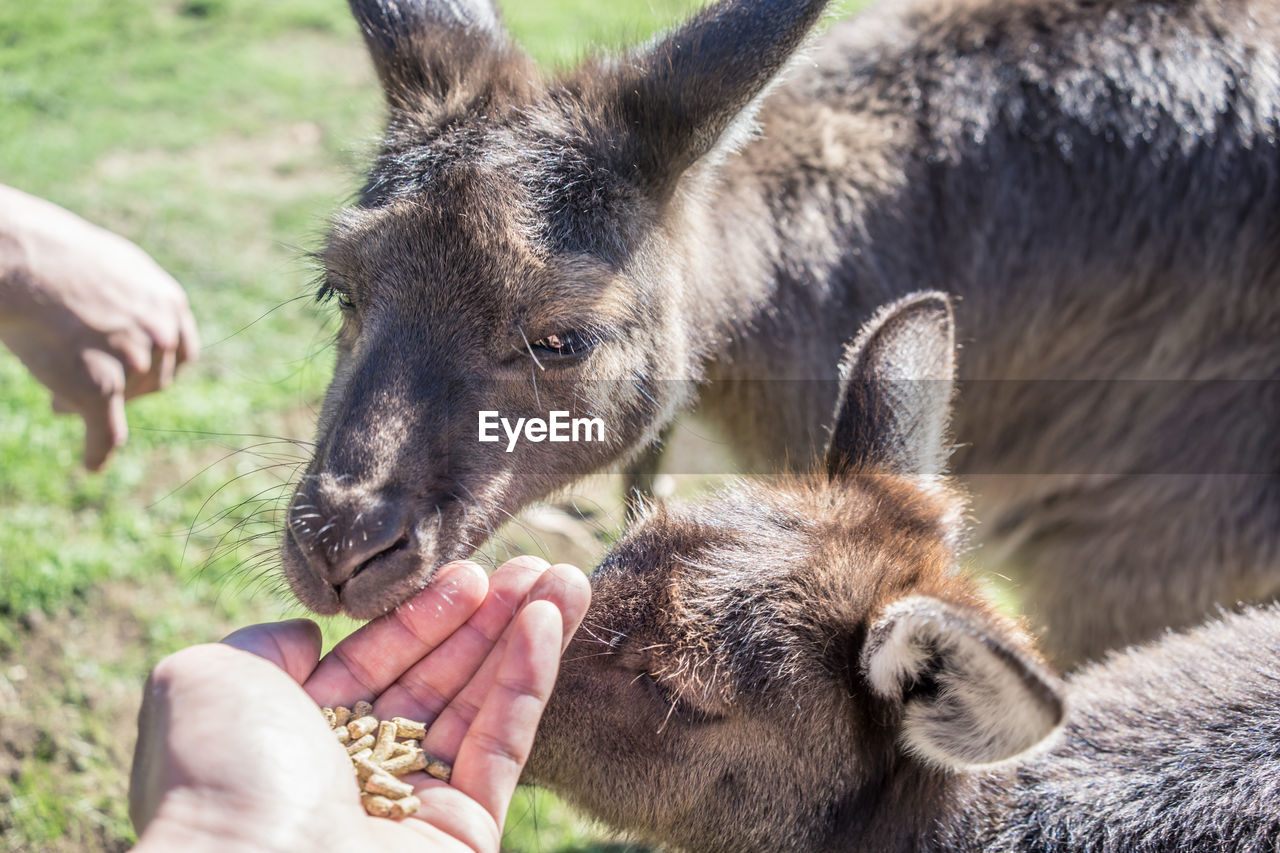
<point>801,661</point>
<point>517,250</point>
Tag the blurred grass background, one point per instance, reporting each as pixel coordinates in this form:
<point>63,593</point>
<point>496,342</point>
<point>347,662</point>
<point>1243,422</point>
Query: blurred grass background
<point>218,135</point>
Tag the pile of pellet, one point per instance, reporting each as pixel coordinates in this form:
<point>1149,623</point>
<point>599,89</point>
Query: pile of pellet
<point>381,751</point>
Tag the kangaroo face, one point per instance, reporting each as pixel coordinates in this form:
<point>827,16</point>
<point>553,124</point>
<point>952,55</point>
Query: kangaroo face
<point>455,300</point>
<point>517,249</point>
<point>714,692</point>
<point>802,661</point>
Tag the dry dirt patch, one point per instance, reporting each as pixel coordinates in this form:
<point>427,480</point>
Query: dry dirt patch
<point>70,689</point>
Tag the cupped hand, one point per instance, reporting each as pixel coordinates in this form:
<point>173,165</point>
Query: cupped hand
<point>232,751</point>
<point>90,314</point>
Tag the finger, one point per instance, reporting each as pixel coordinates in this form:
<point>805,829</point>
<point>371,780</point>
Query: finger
<point>366,663</point>
<point>430,684</point>
<point>189,337</point>
<point>158,375</point>
<point>425,833</point>
<point>564,586</point>
<point>133,348</point>
<point>294,645</point>
<point>568,588</point>
<point>473,806</point>
<point>137,382</point>
<point>102,407</point>
<point>455,815</point>
<point>497,745</point>
<point>105,429</point>
<point>168,366</point>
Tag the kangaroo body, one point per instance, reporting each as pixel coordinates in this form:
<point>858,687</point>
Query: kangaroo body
<point>1065,170</point>
<point>1097,183</point>
<point>801,665</point>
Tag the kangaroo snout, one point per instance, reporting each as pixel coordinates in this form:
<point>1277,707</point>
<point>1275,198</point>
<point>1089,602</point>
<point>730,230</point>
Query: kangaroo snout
<point>347,544</point>
<point>340,528</point>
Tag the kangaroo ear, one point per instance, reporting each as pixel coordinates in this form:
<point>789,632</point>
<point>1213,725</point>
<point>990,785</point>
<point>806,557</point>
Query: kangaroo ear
<point>695,90</point>
<point>425,49</point>
<point>973,693</point>
<point>895,395</point>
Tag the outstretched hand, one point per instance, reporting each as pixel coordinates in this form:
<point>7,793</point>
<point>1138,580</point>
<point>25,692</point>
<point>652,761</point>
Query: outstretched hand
<point>232,750</point>
<point>90,314</point>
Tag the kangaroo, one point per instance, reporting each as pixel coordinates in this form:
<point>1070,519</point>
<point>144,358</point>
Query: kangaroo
<point>803,666</point>
<point>699,222</point>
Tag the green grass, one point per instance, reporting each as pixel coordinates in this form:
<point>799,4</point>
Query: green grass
<point>219,135</point>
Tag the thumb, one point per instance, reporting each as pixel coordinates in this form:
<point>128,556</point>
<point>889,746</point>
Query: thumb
<point>294,646</point>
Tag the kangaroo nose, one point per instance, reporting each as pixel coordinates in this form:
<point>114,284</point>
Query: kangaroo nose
<point>340,529</point>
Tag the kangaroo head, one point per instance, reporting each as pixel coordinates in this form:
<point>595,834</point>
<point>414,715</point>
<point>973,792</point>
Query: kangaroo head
<point>802,660</point>
<point>518,248</point>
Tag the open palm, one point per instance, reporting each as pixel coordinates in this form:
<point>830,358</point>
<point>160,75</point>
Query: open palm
<point>231,748</point>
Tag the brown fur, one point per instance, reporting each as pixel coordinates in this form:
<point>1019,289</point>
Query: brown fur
<point>727,690</point>
<point>712,700</point>
<point>711,680</point>
<point>1096,181</point>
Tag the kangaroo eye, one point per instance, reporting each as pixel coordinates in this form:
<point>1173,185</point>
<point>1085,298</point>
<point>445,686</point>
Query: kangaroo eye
<point>563,344</point>
<point>344,302</point>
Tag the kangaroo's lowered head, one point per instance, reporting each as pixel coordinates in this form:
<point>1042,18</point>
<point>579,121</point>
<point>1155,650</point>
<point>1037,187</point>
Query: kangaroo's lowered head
<point>801,663</point>
<point>519,249</point>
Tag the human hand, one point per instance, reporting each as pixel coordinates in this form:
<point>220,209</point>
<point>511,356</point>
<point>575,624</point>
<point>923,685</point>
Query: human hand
<point>233,753</point>
<point>90,314</point>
